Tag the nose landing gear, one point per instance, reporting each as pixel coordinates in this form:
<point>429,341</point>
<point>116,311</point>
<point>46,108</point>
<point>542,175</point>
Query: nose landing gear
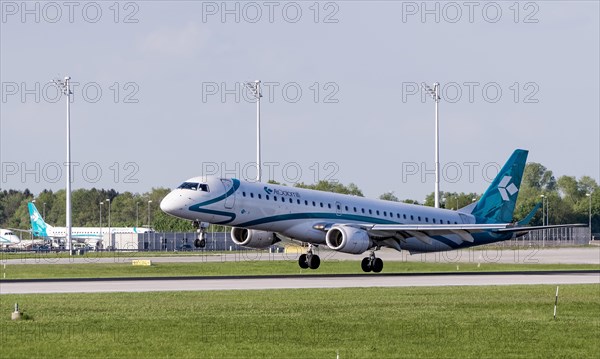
<point>201,227</point>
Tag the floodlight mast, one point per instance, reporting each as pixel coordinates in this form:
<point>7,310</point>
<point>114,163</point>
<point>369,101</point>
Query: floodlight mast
<point>254,88</point>
<point>64,86</point>
<point>435,95</point>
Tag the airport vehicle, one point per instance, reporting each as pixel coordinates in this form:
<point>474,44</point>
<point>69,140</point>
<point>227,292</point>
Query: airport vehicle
<point>92,236</point>
<point>261,214</point>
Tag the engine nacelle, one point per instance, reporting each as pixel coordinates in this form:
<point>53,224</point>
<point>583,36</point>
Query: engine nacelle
<point>253,238</point>
<point>348,239</point>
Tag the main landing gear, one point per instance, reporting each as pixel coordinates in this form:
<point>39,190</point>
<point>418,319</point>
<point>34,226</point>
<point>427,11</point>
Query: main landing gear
<point>371,263</point>
<point>201,227</point>
<point>309,260</point>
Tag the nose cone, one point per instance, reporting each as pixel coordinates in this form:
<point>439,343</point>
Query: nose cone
<point>169,204</point>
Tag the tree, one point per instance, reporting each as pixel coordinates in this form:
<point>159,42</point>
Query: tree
<point>389,196</point>
<point>332,186</point>
<point>538,177</point>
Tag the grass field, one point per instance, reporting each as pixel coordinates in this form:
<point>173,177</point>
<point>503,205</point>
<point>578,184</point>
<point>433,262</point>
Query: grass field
<point>247,267</point>
<point>435,322</point>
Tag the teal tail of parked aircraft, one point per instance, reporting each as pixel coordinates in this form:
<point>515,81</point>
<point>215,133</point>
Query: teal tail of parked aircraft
<point>498,202</point>
<point>39,228</point>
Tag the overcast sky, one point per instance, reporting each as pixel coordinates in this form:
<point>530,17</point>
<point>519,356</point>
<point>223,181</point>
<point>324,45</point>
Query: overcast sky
<point>158,99</point>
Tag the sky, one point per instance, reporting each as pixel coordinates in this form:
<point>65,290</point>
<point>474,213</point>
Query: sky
<point>159,96</point>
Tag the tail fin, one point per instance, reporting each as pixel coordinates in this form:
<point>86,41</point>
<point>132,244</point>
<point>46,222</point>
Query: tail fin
<point>38,226</point>
<point>498,202</point>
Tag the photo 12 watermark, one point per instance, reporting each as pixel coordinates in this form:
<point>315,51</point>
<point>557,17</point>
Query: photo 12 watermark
<point>54,172</point>
<point>270,12</point>
<point>271,91</point>
<point>290,172</point>
<point>475,91</point>
<point>450,172</point>
<point>52,12</point>
<point>470,12</point>
<point>89,92</point>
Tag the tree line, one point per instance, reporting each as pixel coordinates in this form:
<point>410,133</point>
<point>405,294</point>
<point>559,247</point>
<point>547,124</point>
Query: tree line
<point>568,201</point>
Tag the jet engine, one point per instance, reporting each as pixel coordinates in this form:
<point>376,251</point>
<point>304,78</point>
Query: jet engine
<point>253,238</point>
<point>348,239</point>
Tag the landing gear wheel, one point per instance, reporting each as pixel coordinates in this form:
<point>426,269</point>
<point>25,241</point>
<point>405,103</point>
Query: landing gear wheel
<point>366,264</point>
<point>200,243</point>
<point>302,261</point>
<point>314,261</point>
<point>377,265</point>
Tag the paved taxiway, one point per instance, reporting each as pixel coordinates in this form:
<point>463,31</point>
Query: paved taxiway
<point>294,282</point>
<point>531,255</point>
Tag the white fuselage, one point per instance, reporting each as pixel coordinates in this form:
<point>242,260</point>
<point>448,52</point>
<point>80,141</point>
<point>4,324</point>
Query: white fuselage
<point>295,212</point>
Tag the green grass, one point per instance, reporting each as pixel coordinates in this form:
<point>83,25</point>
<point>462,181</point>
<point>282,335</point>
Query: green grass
<point>248,267</point>
<point>435,322</point>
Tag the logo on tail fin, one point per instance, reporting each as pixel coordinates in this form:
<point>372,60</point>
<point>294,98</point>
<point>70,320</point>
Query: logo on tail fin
<point>506,192</point>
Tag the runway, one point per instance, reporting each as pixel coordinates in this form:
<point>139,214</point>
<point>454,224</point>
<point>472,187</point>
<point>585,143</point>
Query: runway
<point>294,282</point>
<point>532,255</point>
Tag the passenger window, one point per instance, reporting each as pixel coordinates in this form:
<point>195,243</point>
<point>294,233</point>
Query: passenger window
<point>305,202</point>
<point>370,212</point>
<point>377,212</point>
<point>385,213</point>
<point>427,219</point>
<point>328,205</point>
<point>243,194</point>
<point>346,208</point>
<point>362,210</point>
<point>259,196</point>
<point>314,204</point>
<point>298,201</point>
<point>321,204</point>
<point>267,197</point>
<point>251,195</point>
<point>274,198</point>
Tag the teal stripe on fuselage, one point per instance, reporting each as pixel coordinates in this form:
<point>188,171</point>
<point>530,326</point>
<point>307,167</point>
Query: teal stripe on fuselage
<point>316,215</point>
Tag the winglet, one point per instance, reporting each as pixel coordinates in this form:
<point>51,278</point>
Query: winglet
<point>525,221</point>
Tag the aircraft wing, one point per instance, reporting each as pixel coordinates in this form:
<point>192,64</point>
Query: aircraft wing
<point>423,232</point>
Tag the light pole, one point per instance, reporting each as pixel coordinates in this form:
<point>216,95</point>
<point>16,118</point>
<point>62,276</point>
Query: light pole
<point>149,201</point>
<point>101,236</point>
<point>66,90</point>
<point>109,234</point>
<point>137,214</point>
<point>544,219</point>
<point>589,195</point>
<point>435,95</point>
<point>254,88</point>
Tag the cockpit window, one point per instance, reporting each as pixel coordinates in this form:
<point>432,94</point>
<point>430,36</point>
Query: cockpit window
<point>194,186</point>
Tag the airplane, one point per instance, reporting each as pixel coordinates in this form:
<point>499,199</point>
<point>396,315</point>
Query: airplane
<point>89,235</point>
<point>8,239</point>
<point>262,213</point>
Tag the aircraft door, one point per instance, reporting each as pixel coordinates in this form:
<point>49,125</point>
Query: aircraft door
<point>229,200</point>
